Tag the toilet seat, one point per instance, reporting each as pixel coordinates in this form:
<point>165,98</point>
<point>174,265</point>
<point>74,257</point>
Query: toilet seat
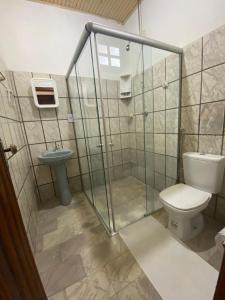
<point>184,197</point>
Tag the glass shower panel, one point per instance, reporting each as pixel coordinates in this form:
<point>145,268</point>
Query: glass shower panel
<point>89,133</point>
<point>161,101</point>
<point>124,120</point>
<point>81,142</point>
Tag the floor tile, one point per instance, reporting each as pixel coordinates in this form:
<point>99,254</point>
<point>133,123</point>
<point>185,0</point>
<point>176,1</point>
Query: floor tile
<point>65,274</point>
<point>99,255</point>
<point>141,289</point>
<point>59,296</point>
<point>96,286</point>
<point>47,259</point>
<point>122,271</point>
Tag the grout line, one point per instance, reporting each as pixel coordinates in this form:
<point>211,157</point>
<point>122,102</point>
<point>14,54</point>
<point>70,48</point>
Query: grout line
<point>25,133</point>
<point>200,104</point>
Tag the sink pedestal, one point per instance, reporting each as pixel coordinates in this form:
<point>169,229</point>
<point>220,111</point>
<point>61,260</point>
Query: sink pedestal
<point>62,184</point>
<point>57,159</point>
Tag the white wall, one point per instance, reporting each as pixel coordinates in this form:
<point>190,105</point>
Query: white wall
<point>178,22</point>
<point>40,38</point>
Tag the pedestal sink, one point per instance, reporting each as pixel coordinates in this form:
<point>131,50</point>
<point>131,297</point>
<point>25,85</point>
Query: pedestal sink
<point>57,159</point>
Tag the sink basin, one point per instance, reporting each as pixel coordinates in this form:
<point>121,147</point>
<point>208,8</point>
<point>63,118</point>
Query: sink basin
<point>57,159</point>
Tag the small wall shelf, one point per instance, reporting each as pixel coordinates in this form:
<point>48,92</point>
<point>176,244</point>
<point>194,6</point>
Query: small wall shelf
<point>125,86</point>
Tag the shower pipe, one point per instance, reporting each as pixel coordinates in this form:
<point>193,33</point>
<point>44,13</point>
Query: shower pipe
<point>98,28</point>
<point>91,27</point>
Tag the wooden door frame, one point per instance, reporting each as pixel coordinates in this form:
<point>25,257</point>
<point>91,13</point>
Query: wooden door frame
<point>19,277</point>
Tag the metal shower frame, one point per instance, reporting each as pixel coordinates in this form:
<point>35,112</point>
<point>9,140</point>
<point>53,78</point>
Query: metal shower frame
<point>96,28</point>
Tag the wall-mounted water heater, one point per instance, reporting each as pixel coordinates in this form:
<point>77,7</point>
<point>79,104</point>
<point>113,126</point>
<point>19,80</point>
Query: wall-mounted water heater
<point>45,92</point>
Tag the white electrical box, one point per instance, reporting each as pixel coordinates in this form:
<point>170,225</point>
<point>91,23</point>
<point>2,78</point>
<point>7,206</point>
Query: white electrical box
<point>45,92</point>
<point>125,86</point>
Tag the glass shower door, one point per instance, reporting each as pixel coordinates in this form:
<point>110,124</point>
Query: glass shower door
<point>161,101</point>
<point>124,118</point>
<point>92,137</point>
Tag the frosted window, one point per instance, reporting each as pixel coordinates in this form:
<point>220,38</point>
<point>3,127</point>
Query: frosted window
<point>102,49</point>
<point>115,62</point>
<point>114,51</point>
<point>103,60</point>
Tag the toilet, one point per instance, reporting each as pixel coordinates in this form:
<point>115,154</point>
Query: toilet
<point>203,175</point>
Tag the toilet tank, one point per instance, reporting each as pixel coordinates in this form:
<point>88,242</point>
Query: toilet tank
<point>204,171</point>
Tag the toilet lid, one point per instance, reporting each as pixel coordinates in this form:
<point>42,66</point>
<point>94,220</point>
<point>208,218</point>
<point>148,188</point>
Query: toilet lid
<point>185,197</point>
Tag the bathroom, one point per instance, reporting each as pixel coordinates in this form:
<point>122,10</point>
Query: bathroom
<point>112,130</point>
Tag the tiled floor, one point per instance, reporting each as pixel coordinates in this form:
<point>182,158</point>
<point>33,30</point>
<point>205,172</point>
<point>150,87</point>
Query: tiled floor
<point>129,201</point>
<point>77,260</point>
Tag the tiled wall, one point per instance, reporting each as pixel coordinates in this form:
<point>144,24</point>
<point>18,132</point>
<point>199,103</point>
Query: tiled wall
<point>126,124</point>
<point>89,130</point>
<point>203,102</point>
<point>12,132</point>
<point>156,132</point>
<point>202,117</point>
<point>44,128</point>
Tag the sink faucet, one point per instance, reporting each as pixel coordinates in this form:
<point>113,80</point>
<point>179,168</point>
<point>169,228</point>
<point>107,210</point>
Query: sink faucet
<point>57,147</point>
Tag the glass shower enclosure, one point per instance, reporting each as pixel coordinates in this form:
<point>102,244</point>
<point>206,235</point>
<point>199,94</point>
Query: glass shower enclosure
<point>125,93</point>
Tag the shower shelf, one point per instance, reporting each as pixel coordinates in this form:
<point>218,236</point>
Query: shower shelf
<point>125,86</point>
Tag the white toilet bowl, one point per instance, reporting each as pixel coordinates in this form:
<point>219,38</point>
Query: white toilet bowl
<point>184,205</point>
<point>203,174</point>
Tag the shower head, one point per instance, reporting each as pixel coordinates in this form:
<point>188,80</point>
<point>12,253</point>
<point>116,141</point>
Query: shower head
<point>128,47</point>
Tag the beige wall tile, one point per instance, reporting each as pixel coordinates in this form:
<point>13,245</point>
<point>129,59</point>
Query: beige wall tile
<point>214,47</point>
<point>48,113</point>
<point>212,118</point>
<point>159,143</point>
<point>43,174</point>
<point>190,119</point>
<point>34,132</point>
<point>148,101</point>
<point>61,85</point>
<point>64,108</point>
<point>213,88</point>
<point>51,131</point>
<point>29,111</point>
<point>36,150</point>
<point>23,83</point>
<point>159,99</point>
<point>72,146</point>
<point>172,95</point>
<point>172,121</point>
<point>171,144</point>
<point>172,67</point>
<point>113,106</point>
<point>72,168</point>
<point>112,89</point>
<point>148,79</point>
<point>84,165</point>
<point>72,85</point>
<point>192,58</point>
<point>159,73</point>
<point>191,87</point>
<point>159,122</point>
<point>67,130</point>
<point>210,144</point>
<point>46,192</point>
